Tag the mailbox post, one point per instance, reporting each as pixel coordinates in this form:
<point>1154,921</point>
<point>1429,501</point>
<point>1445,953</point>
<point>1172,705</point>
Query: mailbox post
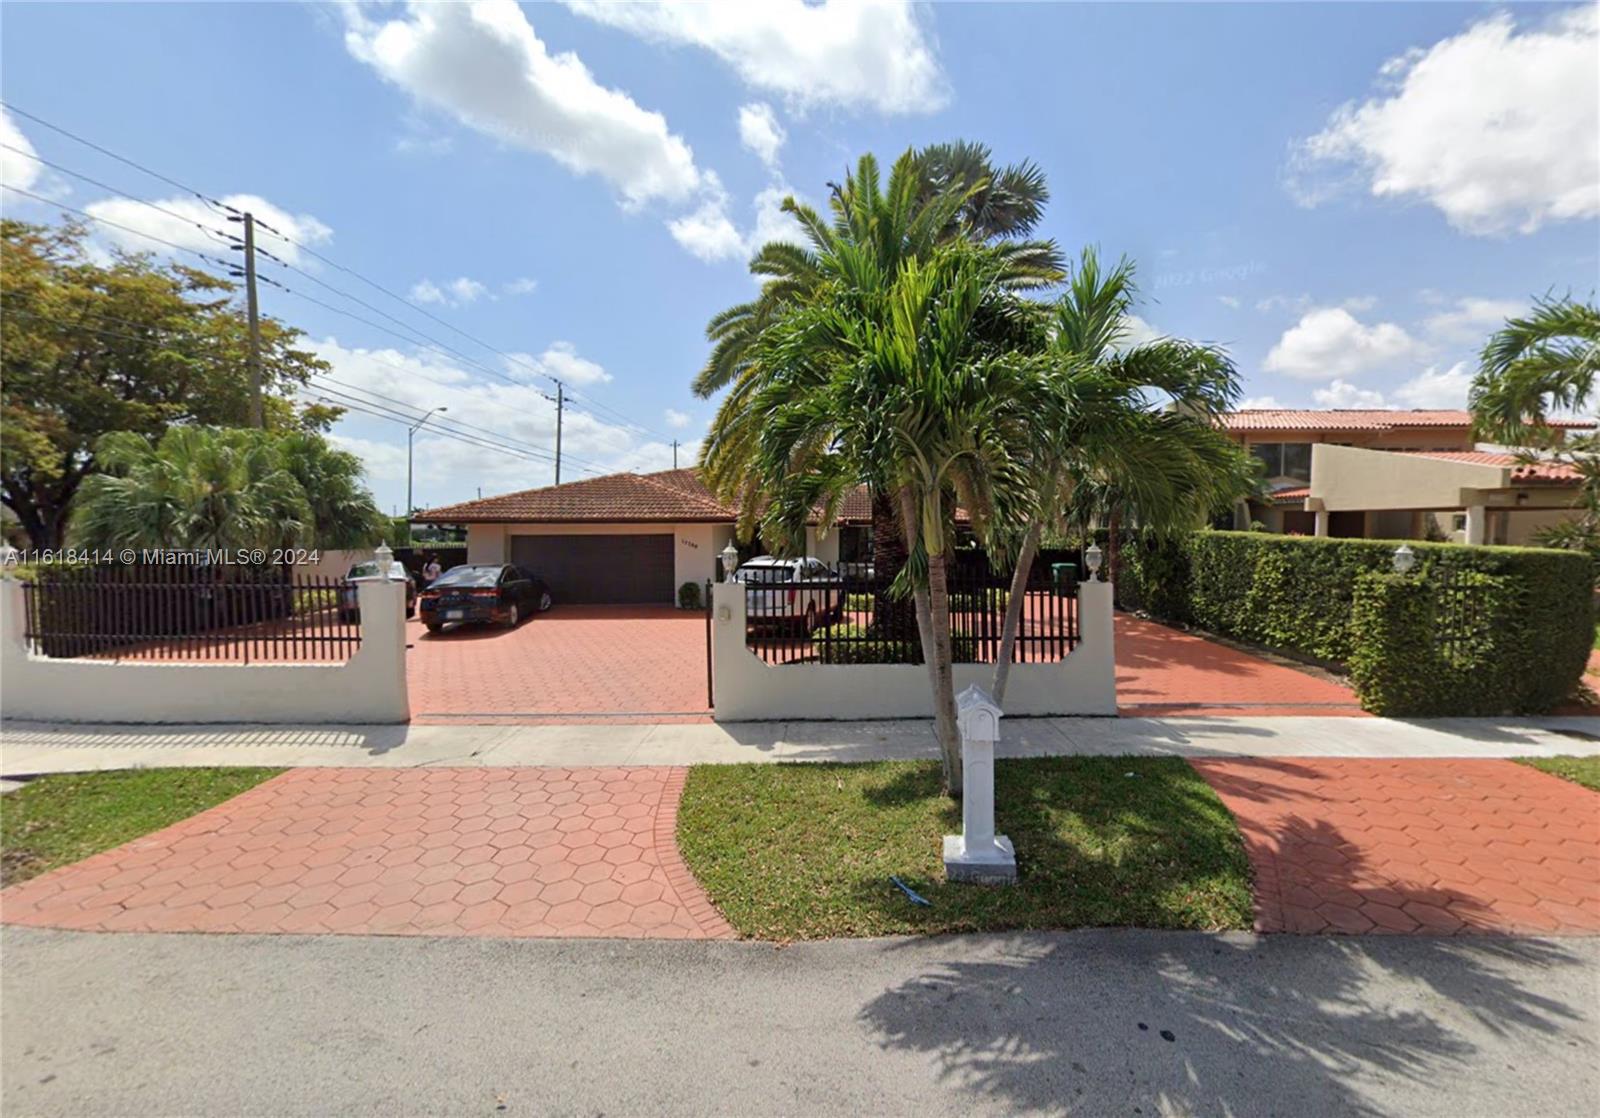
<point>977,853</point>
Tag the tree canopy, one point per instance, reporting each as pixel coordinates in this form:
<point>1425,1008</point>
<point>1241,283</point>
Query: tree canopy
<point>93,342</point>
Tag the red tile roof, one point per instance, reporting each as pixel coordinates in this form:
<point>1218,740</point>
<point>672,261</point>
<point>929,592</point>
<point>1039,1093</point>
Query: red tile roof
<point>1359,419</point>
<point>671,496</point>
<point>1290,496</point>
<point>666,497</point>
<point>1520,470</point>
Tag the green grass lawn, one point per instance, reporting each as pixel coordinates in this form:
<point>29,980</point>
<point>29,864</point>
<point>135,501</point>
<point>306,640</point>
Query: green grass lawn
<point>805,851</point>
<point>56,820</point>
<point>1579,770</point>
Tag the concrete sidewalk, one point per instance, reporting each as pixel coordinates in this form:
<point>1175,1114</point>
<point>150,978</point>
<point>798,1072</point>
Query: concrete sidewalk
<point>31,748</point>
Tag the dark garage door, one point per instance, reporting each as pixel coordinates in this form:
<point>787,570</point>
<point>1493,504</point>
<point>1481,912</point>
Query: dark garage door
<point>600,569</point>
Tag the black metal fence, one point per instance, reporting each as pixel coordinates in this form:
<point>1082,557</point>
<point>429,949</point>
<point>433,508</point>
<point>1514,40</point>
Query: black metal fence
<point>187,613</point>
<point>1463,621</point>
<point>851,620</point>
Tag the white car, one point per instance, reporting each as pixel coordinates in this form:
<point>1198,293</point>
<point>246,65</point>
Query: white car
<point>801,592</point>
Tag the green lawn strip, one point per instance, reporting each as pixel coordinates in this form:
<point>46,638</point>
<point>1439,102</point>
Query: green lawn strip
<point>1579,770</point>
<point>55,820</point>
<point>804,851</point>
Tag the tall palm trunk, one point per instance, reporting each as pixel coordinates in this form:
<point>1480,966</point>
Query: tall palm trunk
<point>943,675</point>
<point>1013,618</point>
<point>890,615</point>
<point>932,619</point>
<point>1113,521</point>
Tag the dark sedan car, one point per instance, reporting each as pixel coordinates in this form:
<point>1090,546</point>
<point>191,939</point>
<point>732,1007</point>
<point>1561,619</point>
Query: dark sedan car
<point>483,593</point>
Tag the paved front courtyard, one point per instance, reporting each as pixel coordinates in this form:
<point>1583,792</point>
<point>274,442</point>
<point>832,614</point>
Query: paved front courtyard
<point>575,663</point>
<point>502,852</point>
<point>1458,846</point>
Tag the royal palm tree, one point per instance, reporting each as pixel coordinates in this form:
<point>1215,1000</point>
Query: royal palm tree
<point>888,375</point>
<point>1122,433</point>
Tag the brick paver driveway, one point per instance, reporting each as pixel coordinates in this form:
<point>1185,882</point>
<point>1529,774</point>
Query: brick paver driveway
<point>508,852</point>
<point>579,663</point>
<point>1414,846</point>
<point>1163,671</point>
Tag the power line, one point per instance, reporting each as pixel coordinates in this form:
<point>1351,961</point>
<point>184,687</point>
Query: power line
<point>115,224</point>
<point>223,206</point>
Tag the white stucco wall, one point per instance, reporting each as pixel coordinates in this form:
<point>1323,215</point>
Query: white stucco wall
<point>747,689</point>
<point>369,687</point>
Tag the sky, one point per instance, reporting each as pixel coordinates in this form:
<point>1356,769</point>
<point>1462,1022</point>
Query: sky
<point>484,198</point>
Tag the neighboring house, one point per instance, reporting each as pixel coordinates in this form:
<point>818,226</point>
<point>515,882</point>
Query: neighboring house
<point>625,538</point>
<point>1382,474</point>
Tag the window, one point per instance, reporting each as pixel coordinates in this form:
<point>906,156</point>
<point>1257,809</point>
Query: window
<point>1290,460</point>
<point>1458,522</point>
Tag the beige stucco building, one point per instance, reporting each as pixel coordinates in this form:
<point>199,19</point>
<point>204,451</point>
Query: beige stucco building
<point>1381,474</point>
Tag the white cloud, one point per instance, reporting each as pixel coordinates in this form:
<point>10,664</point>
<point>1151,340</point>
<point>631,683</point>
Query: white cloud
<point>483,64</point>
<point>1260,402</point>
<point>1435,389</point>
<point>852,53</point>
<point>454,293</point>
<point>1299,304</point>
<point>760,131</point>
<point>1229,301</point>
<point>711,234</point>
<point>676,419</point>
<point>1472,319</point>
<point>1498,129</point>
<point>1136,331</point>
<point>1330,343</point>
<point>1432,388</point>
<point>560,360</point>
<point>519,415</point>
<point>522,285</point>
<point>17,169</point>
<point>180,225</point>
<point>1343,394</point>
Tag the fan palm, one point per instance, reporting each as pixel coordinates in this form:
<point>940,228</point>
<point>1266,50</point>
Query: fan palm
<point>1102,447</point>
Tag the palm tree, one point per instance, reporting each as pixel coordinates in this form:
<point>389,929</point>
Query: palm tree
<point>1533,365</point>
<point>1546,360</point>
<point>223,488</point>
<point>887,374</point>
<point>941,193</point>
<point>1103,449</point>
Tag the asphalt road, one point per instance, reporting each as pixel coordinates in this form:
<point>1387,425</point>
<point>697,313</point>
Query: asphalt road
<point>1092,1023</point>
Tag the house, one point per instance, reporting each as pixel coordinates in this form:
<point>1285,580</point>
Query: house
<point>1382,474</point>
<point>626,538</point>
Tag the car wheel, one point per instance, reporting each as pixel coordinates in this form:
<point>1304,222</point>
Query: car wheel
<point>434,627</point>
<point>411,611</point>
<point>545,602</point>
<point>513,616</point>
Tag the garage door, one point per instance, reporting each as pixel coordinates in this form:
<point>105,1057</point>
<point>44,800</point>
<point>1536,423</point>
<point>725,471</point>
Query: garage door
<point>600,569</point>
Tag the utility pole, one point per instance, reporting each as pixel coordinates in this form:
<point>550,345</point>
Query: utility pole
<point>561,401</point>
<point>257,417</point>
<point>674,454</point>
<point>412,431</point>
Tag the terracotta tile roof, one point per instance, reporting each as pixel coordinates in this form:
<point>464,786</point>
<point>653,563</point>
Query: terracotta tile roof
<point>666,497</point>
<point>1520,470</point>
<point>1291,496</point>
<point>671,496</point>
<point>1359,419</point>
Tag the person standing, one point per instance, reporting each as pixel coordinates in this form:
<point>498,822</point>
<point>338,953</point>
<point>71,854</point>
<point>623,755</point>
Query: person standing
<point>431,571</point>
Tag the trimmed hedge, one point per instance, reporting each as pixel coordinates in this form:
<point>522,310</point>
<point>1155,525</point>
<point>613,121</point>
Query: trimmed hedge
<point>874,648</point>
<point>1532,622</point>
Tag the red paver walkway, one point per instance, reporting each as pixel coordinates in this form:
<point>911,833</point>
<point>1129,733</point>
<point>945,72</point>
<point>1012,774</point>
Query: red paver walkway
<point>1415,846</point>
<point>509,852</point>
<point>575,663</point>
<point>1163,671</point>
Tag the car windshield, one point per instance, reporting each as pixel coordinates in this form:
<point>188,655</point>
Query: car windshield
<point>370,570</point>
<point>764,575</point>
<point>468,576</point>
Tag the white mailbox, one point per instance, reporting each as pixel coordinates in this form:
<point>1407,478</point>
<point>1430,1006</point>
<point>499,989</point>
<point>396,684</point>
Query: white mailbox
<point>977,853</point>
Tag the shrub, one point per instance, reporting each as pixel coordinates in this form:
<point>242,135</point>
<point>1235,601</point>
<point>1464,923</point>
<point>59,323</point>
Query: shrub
<point>1523,648</point>
<point>867,647</point>
<point>689,596</point>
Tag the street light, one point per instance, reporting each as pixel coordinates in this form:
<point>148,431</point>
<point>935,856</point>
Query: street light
<point>413,430</point>
<point>1404,559</point>
<point>1092,558</point>
<point>730,561</point>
